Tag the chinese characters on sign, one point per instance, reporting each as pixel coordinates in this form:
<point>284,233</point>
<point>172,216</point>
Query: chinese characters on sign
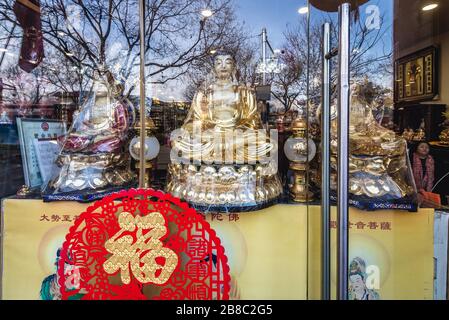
<point>148,259</point>
<point>372,225</point>
<point>232,217</point>
<point>133,241</point>
<point>58,218</point>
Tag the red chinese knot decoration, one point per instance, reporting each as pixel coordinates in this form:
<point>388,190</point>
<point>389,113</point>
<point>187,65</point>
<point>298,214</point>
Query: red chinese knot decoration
<point>142,244</point>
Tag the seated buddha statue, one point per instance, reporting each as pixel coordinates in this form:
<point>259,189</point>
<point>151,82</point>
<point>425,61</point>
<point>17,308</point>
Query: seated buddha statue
<point>379,169</point>
<point>222,158</point>
<point>93,158</point>
<point>444,136</point>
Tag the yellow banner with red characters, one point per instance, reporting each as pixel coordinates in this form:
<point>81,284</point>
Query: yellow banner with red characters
<point>273,253</point>
<point>390,255</point>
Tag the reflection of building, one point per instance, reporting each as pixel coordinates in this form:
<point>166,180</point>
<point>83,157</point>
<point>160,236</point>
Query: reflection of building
<point>281,120</point>
<point>59,106</point>
<point>168,116</point>
<point>11,173</point>
<point>67,104</point>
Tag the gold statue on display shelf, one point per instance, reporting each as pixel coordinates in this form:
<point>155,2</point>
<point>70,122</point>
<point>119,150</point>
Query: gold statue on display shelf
<point>300,150</point>
<point>93,159</point>
<point>408,134</point>
<point>420,134</point>
<point>444,136</point>
<point>222,158</point>
<point>379,169</point>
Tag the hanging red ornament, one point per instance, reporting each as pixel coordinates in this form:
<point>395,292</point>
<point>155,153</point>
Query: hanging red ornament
<point>142,244</point>
<point>28,14</point>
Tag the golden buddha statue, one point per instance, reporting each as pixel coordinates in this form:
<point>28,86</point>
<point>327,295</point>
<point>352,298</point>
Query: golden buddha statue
<point>222,158</point>
<point>408,134</point>
<point>444,135</point>
<point>420,134</point>
<point>378,162</point>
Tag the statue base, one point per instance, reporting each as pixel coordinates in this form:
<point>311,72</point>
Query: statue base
<point>225,188</point>
<point>89,177</point>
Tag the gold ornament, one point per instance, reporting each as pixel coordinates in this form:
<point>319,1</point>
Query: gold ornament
<point>139,256</point>
<point>300,150</point>
<point>444,136</point>
<point>378,165</point>
<point>220,156</point>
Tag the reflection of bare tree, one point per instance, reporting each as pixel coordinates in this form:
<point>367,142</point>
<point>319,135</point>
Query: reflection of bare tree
<point>286,84</point>
<point>95,34</point>
<point>290,84</point>
<point>56,74</point>
<point>20,87</point>
<point>30,88</point>
<point>60,75</point>
<point>82,36</point>
<point>371,56</point>
<point>245,52</point>
<point>371,49</point>
<point>296,42</point>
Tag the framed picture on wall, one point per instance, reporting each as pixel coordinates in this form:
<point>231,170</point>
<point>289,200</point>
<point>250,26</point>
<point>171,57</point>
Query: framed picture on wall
<point>38,147</point>
<point>416,77</point>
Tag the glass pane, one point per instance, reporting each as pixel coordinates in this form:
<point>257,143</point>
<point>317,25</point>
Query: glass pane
<point>317,19</point>
<point>257,53</point>
<point>420,110</point>
<point>382,191</point>
<point>70,115</point>
<point>232,101</point>
<point>375,260</point>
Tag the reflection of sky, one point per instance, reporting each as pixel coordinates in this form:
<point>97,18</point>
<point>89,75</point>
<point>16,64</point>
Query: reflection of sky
<point>276,15</point>
<point>273,15</point>
<point>385,11</point>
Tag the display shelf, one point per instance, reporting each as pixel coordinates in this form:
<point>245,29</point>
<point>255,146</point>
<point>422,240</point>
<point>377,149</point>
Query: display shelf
<point>411,116</point>
<point>273,253</point>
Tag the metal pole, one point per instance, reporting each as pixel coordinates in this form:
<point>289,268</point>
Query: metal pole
<point>325,168</point>
<point>7,43</point>
<point>307,105</point>
<point>264,56</point>
<point>343,152</point>
<point>307,134</point>
<point>142,94</point>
